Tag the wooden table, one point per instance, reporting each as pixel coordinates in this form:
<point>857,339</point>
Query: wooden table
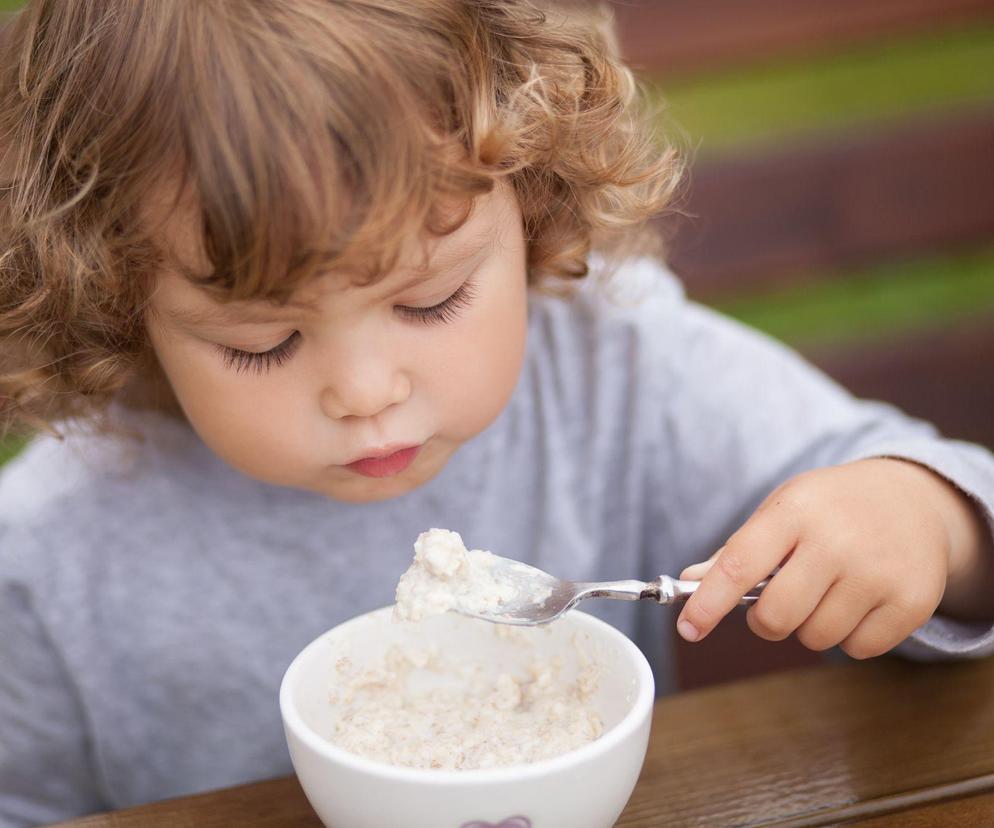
<point>881,744</point>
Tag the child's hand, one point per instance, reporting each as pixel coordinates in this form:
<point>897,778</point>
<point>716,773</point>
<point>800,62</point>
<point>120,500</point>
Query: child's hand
<point>867,551</point>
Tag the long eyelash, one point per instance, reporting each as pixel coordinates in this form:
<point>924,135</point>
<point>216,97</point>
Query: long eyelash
<point>444,311</point>
<point>259,362</point>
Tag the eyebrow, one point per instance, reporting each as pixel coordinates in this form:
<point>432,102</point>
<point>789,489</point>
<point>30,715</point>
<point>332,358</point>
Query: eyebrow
<point>232,314</point>
<point>443,259</point>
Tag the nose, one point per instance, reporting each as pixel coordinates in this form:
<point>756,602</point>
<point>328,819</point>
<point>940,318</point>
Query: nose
<point>363,387</point>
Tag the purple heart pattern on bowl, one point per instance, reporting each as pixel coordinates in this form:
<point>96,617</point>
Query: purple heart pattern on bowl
<point>510,822</point>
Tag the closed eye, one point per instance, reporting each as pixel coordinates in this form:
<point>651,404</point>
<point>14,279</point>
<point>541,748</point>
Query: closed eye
<point>446,310</point>
<point>259,361</point>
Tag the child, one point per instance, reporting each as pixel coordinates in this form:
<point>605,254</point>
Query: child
<point>287,278</point>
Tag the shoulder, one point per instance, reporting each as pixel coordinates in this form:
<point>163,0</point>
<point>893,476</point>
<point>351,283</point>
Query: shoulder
<point>42,491</point>
<point>611,329</point>
<point>602,356</point>
<point>627,295</point>
<point>85,494</point>
<point>54,474</point>
<point>640,307</point>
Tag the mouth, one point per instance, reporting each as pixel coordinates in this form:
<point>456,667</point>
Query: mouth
<point>385,462</point>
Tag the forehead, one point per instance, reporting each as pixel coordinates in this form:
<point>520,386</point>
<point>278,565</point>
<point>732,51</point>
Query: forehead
<point>186,262</point>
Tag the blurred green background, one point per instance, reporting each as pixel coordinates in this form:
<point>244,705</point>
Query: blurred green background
<point>862,87</point>
<point>769,102</point>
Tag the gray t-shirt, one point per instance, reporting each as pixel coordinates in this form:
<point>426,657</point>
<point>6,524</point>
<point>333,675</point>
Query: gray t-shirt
<point>151,597</point>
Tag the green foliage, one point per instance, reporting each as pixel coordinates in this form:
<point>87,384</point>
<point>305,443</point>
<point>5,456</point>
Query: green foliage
<point>9,447</point>
<point>876,302</point>
<point>879,80</point>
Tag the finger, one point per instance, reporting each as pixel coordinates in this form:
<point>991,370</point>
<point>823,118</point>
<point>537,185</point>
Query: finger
<point>747,558</point>
<point>696,571</point>
<point>791,595</point>
<point>836,616</point>
<point>882,629</point>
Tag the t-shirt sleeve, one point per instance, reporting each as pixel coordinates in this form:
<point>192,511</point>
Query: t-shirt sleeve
<point>45,766</point>
<point>743,413</point>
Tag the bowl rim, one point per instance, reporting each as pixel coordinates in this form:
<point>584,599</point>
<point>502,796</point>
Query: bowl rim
<point>641,709</point>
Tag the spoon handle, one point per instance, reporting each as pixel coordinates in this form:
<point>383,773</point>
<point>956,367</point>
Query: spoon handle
<point>674,591</point>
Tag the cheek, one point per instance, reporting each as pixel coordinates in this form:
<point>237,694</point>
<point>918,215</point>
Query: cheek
<point>479,369</point>
<point>248,429</point>
<point>234,421</point>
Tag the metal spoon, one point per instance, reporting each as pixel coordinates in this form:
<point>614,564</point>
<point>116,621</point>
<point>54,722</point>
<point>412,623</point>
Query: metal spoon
<point>564,595</point>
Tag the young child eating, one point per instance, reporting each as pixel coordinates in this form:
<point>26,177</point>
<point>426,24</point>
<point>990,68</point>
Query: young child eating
<point>284,284</point>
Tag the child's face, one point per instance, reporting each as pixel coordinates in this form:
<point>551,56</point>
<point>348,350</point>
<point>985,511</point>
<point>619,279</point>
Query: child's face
<point>351,371</point>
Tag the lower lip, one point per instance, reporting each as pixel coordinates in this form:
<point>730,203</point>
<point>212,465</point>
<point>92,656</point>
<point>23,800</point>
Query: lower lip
<point>385,466</point>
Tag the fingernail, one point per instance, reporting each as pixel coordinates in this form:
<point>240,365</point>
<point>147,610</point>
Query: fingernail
<point>687,630</point>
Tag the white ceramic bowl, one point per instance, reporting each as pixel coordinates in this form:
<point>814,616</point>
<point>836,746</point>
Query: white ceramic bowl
<point>585,788</point>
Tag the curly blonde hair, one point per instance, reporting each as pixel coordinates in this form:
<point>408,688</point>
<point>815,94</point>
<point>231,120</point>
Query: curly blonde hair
<point>315,134</point>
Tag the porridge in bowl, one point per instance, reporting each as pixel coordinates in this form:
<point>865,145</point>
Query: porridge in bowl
<point>425,708</point>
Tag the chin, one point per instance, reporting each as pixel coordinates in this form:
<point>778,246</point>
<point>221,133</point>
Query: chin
<point>369,495</point>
